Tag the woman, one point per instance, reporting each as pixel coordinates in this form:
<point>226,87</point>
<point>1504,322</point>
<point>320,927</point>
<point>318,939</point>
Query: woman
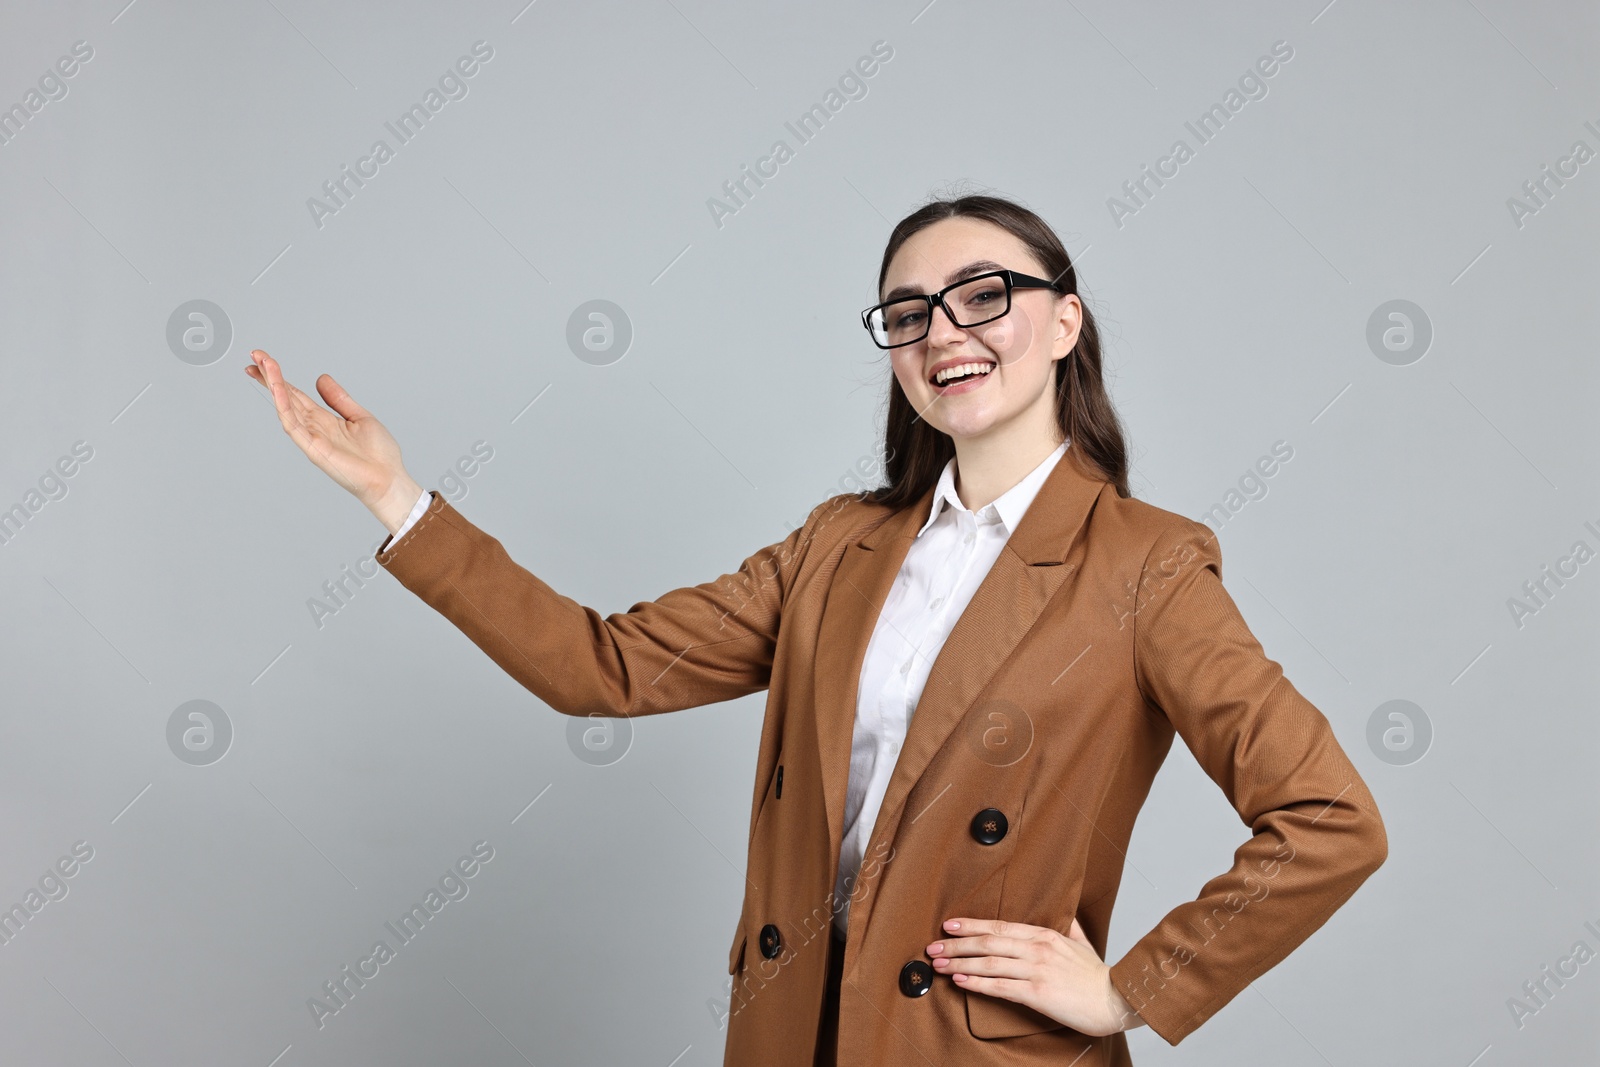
<point>938,886</point>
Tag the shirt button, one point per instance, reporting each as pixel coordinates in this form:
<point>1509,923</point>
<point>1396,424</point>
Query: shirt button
<point>967,540</point>
<point>905,668</point>
<point>936,602</point>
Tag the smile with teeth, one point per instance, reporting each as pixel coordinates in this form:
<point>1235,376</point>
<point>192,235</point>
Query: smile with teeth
<point>961,372</point>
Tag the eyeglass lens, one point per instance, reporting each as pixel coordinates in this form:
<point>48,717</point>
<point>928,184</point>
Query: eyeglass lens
<point>972,303</point>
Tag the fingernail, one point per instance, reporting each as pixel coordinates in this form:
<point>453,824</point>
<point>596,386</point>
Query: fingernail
<point>936,948</point>
<point>952,924</point>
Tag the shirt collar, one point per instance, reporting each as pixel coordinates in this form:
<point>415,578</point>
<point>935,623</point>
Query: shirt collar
<point>1009,506</point>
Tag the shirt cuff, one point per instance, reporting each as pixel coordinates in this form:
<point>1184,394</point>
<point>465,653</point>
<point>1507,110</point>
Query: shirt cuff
<point>416,513</point>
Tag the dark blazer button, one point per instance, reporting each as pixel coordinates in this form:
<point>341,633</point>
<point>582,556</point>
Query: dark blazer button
<point>916,978</point>
<point>989,826</point>
<point>771,941</point>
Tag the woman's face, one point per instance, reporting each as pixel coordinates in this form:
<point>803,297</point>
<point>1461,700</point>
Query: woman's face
<point>1021,346</point>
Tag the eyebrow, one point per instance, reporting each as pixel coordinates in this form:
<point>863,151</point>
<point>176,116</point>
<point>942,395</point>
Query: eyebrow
<point>980,266</point>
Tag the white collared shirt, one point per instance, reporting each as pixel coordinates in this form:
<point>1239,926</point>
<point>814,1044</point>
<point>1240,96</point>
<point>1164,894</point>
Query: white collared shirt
<point>943,568</point>
<point>947,561</point>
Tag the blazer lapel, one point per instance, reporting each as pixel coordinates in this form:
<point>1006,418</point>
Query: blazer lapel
<point>856,596</point>
<point>1029,570</point>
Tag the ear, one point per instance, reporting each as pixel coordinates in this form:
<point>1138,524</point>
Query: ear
<point>1068,323</point>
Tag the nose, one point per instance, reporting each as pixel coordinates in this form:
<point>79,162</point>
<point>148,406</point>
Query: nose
<point>942,327</point>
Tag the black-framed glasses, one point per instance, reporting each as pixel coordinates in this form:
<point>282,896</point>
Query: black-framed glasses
<point>972,302</point>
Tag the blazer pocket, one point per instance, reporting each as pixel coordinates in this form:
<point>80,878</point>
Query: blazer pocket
<point>736,953</point>
<point>991,1017</point>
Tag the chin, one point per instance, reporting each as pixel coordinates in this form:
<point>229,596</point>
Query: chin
<point>966,427</point>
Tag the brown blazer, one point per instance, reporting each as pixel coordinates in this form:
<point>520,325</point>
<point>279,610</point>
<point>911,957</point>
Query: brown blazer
<point>1102,628</point>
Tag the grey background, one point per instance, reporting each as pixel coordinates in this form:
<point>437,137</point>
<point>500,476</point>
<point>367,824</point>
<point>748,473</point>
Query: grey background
<point>370,753</point>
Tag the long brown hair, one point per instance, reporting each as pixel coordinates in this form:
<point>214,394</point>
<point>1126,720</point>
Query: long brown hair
<point>915,453</point>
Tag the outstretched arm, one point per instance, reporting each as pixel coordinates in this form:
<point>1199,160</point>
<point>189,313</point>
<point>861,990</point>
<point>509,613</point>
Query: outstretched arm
<point>696,645</point>
<point>692,646</point>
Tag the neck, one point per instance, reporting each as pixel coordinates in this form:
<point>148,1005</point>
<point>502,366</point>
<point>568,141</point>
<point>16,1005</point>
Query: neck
<point>987,466</point>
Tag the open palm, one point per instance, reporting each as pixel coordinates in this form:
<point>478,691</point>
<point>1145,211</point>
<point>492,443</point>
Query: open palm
<point>348,443</point>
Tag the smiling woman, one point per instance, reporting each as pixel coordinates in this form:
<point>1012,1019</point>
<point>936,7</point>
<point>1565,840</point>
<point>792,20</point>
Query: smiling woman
<point>958,681</point>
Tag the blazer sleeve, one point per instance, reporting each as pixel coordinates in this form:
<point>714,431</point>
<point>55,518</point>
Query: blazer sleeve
<point>1316,831</point>
<point>691,646</point>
